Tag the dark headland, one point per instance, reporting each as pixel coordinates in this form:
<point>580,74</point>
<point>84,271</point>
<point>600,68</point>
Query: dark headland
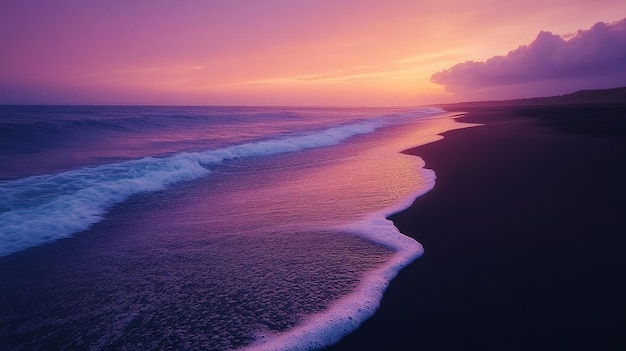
<point>524,233</point>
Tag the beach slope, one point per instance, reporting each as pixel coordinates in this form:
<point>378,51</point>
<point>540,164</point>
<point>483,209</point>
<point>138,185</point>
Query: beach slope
<point>524,235</point>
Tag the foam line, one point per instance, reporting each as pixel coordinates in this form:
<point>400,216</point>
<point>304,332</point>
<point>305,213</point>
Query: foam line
<point>44,208</point>
<point>347,313</point>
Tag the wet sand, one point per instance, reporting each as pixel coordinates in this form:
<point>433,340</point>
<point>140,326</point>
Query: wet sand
<point>524,236</point>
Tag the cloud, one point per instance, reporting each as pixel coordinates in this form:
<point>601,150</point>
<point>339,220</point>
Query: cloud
<point>595,55</point>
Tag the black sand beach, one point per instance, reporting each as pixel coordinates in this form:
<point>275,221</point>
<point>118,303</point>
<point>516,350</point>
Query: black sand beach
<point>524,237</point>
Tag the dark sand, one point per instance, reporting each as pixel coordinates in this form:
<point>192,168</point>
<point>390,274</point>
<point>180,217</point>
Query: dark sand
<point>524,237</point>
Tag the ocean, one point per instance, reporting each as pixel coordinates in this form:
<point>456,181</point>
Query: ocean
<point>202,228</point>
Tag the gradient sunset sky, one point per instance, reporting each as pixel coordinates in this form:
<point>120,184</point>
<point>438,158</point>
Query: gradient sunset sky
<point>315,52</point>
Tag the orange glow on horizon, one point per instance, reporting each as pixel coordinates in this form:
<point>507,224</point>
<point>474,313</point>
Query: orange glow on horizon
<point>368,52</point>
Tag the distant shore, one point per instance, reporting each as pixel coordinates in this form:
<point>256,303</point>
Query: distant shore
<point>524,235</point>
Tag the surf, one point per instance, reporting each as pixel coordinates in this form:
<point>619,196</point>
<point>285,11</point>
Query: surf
<point>41,209</point>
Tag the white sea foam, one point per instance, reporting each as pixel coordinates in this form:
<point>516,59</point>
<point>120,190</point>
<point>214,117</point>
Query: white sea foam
<point>44,208</point>
<point>40,209</point>
<point>347,313</point>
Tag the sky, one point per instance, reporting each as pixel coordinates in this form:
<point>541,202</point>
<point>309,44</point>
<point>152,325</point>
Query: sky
<point>315,52</point>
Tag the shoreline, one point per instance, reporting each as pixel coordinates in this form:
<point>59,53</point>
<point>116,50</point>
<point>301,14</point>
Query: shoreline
<point>101,258</point>
<point>521,236</point>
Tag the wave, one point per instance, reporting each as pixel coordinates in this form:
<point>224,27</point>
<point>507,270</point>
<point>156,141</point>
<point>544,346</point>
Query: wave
<point>49,127</point>
<point>44,208</point>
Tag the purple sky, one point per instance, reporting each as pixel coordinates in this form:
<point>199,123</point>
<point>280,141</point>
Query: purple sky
<point>311,52</point>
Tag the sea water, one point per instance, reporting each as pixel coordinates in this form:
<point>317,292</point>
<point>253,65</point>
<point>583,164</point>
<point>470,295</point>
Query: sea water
<point>202,228</point>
